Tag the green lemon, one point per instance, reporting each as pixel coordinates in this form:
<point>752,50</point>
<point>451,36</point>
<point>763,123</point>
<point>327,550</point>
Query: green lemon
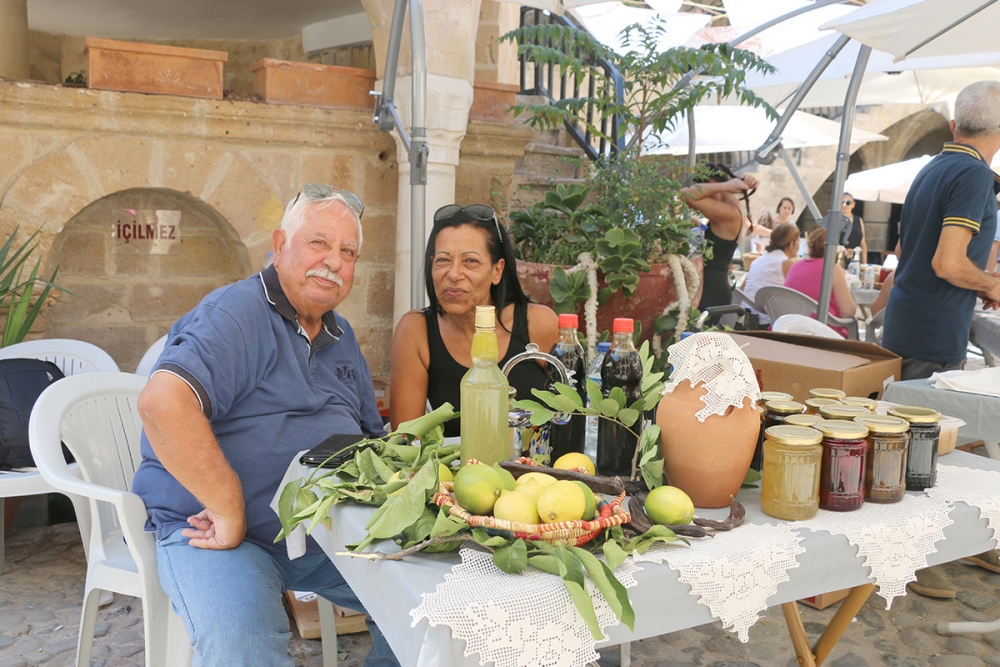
<point>669,506</point>
<point>444,473</point>
<point>591,508</point>
<point>477,488</point>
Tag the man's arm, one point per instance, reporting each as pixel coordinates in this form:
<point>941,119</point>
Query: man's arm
<point>183,440</point>
<point>951,263</point>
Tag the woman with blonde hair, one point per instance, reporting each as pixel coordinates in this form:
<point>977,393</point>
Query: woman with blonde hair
<point>772,267</point>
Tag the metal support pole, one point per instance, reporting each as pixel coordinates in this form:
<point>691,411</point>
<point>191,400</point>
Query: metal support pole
<point>418,154</point>
<point>692,140</point>
<point>385,116</point>
<point>799,182</point>
<point>835,220</point>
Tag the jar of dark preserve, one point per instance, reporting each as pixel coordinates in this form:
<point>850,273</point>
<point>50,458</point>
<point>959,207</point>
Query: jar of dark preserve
<point>921,459</point>
<point>813,405</point>
<point>842,476</point>
<point>885,468</point>
<point>758,453</point>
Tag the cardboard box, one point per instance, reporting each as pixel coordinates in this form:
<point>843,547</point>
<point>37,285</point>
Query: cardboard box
<point>795,364</point>
<point>306,617</point>
<point>824,600</point>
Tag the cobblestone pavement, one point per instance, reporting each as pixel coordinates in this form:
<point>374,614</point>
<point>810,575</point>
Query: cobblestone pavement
<point>42,590</point>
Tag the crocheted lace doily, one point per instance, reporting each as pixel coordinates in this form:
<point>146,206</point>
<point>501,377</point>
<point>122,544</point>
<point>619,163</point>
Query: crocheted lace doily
<point>892,539</point>
<point>514,620</point>
<point>977,488</point>
<point>734,573</point>
<point>717,361</point>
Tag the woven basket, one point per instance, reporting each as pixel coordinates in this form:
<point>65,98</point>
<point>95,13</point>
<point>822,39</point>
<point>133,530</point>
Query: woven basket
<point>573,533</point>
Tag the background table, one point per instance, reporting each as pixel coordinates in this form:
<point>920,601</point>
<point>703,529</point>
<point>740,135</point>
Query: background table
<point>390,589</point>
<point>985,335</point>
<point>981,414</point>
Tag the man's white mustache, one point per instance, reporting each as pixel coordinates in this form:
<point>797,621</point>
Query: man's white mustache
<point>326,275</point>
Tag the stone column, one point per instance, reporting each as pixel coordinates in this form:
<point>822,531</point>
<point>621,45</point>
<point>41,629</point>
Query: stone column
<point>14,39</point>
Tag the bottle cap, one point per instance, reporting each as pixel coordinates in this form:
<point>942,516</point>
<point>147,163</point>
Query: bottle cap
<point>603,346</point>
<point>486,317</point>
<point>623,325</point>
<point>569,321</point>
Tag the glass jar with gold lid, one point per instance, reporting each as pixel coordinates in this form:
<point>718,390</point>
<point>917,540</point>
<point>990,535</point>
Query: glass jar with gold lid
<point>775,412</point>
<point>813,405</point>
<point>842,478</point>
<point>885,467</point>
<point>861,401</point>
<point>841,411</point>
<point>823,392</point>
<point>925,431</point>
<point>804,419</point>
<point>766,396</point>
<point>791,476</point>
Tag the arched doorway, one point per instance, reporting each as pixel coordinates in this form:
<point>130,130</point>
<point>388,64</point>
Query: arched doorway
<point>137,260</point>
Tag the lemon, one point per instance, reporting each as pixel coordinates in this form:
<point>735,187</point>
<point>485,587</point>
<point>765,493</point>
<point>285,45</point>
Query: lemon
<point>540,477</point>
<point>575,460</point>
<point>477,488</point>
<point>512,506</point>
<point>396,477</point>
<point>591,508</point>
<point>531,488</point>
<point>444,473</point>
<point>669,506</point>
<point>561,501</point>
<point>508,480</point>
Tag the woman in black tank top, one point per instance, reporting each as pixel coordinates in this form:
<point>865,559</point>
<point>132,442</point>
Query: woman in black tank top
<point>469,262</point>
<point>716,200</point>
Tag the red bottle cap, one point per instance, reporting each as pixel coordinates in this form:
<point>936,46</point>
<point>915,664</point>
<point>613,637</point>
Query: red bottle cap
<point>623,325</point>
<point>569,321</point>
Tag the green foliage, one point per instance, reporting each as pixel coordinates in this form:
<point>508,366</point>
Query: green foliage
<point>77,78</point>
<point>557,229</point>
<point>17,290</point>
<point>568,290</point>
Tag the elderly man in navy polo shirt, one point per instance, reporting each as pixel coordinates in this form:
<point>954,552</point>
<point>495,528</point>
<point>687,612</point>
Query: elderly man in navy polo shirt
<point>258,371</point>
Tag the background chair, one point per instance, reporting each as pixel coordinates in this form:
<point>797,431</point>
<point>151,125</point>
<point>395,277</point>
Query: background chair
<point>72,357</point>
<point>150,358</point>
<point>802,324</point>
<point>873,329</point>
<point>776,301</point>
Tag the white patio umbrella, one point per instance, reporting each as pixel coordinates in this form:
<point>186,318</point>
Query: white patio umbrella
<point>724,129</point>
<point>606,20</point>
<point>916,28</point>
<point>561,6</point>
<point>891,182</point>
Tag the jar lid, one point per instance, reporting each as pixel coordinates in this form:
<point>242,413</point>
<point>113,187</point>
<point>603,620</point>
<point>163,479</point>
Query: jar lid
<point>862,401</point>
<point>841,429</point>
<point>841,411</point>
<point>817,403</point>
<point>785,407</point>
<point>915,415</point>
<point>821,392</point>
<point>766,396</point>
<point>797,436</point>
<point>802,420</point>
<point>884,424</point>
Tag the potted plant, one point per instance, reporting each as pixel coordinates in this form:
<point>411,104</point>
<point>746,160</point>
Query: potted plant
<point>640,219</point>
<point>17,292</point>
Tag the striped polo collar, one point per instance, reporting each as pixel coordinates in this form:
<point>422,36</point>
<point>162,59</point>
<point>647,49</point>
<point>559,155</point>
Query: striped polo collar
<point>954,147</point>
<point>276,297</point>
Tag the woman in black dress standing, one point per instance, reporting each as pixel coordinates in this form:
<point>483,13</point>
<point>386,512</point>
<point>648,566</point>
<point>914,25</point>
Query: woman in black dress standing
<point>717,201</point>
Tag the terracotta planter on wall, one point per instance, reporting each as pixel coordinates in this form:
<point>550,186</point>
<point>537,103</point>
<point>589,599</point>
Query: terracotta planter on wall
<point>707,460</point>
<point>313,85</point>
<point>656,291</point>
<point>154,68</point>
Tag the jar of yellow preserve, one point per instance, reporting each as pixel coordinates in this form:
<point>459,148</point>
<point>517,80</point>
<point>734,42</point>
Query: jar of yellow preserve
<point>791,476</point>
<point>822,392</point>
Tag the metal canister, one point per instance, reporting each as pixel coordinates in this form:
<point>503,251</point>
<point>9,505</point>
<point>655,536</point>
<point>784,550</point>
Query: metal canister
<point>925,431</point>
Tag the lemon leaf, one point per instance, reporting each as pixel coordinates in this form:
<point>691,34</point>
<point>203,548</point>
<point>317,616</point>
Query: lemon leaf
<point>512,559</point>
<point>614,554</point>
<point>571,393</point>
<point>612,590</point>
<point>617,394</point>
<point>609,407</point>
<point>628,416</point>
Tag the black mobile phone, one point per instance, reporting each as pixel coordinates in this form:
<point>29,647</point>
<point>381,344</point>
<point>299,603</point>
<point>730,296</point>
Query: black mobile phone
<point>339,445</point>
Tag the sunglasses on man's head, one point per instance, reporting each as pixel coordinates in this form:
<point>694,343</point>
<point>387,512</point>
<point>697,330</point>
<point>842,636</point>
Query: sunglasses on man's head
<point>456,213</point>
<point>324,191</point>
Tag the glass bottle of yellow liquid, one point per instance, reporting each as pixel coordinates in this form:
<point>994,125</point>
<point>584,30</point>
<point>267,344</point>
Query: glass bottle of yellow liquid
<point>484,396</point>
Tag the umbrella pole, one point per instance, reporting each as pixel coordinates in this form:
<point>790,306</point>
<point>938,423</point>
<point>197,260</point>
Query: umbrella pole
<point>835,221</point>
<point>418,153</point>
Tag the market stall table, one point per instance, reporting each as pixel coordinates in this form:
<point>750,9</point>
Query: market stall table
<point>863,299</point>
<point>980,413</point>
<point>662,603</point>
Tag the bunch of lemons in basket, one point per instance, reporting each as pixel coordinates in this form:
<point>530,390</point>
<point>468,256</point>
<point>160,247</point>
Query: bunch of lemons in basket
<point>533,498</point>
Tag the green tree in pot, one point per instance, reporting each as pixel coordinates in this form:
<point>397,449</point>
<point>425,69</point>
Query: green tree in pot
<point>19,304</point>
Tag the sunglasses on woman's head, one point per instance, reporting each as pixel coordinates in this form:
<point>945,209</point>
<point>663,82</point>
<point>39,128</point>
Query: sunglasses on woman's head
<point>456,213</point>
<point>323,191</point>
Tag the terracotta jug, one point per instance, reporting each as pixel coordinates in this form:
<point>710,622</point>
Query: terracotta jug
<point>707,460</point>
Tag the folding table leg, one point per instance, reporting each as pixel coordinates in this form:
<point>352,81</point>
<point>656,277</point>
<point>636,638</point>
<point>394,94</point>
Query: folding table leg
<point>625,654</point>
<point>814,657</point>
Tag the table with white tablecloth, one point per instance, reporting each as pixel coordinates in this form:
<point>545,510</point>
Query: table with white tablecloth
<point>391,589</point>
<point>985,334</point>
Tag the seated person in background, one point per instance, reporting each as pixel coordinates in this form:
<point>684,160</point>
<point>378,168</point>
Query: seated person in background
<point>760,232</point>
<point>807,274</point>
<point>772,267</point>
<point>878,305</point>
<point>257,372</point>
<point>469,262</point>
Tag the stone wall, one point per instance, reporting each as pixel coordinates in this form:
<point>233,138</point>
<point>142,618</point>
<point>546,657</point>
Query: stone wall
<point>63,149</point>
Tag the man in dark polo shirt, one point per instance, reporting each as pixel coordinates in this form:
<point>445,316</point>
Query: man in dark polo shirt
<point>257,372</point>
<point>946,232</point>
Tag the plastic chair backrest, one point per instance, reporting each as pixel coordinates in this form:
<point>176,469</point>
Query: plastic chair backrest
<point>152,355</point>
<point>873,329</point>
<point>802,324</point>
<point>776,301</point>
<point>71,356</point>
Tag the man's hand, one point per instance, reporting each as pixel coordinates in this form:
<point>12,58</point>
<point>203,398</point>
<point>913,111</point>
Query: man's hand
<point>212,531</point>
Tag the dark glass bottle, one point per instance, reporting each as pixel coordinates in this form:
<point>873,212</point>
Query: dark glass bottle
<point>621,368</point>
<point>566,438</point>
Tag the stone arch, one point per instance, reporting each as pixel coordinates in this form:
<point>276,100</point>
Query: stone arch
<point>903,135</point>
<point>57,187</point>
<point>130,287</point>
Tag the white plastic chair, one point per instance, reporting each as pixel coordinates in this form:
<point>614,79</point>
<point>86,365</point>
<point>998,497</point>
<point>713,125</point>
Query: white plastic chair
<point>801,324</point>
<point>776,300</point>
<point>72,357</point>
<point>873,329</point>
<point>152,355</point>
